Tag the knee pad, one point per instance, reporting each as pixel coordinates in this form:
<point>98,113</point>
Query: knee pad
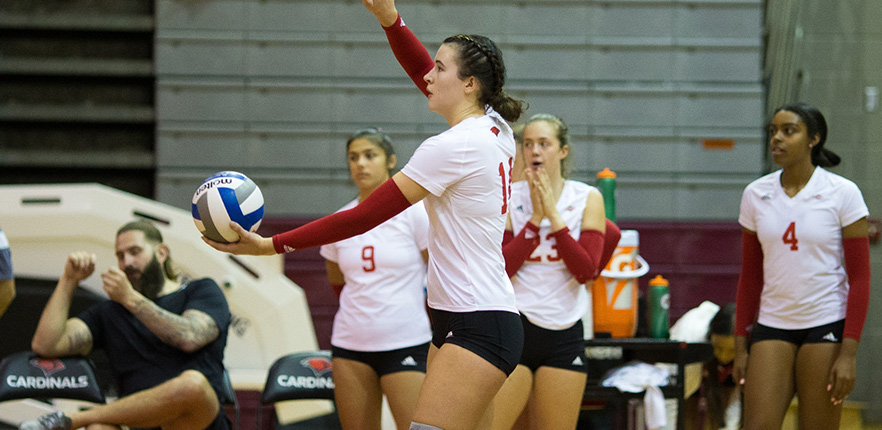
<point>418,426</point>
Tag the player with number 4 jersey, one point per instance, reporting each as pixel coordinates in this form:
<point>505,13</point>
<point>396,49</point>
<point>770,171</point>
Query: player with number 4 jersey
<point>805,283</point>
<point>805,279</point>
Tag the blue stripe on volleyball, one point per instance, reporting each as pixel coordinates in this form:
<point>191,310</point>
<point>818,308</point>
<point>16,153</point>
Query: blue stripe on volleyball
<point>195,211</point>
<point>227,174</point>
<point>231,204</point>
<point>254,217</point>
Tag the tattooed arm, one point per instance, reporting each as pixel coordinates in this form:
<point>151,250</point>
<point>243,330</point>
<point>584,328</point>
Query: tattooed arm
<point>57,335</point>
<point>188,332</point>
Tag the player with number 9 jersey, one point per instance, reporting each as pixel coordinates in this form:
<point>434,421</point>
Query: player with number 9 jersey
<point>381,332</point>
<point>383,304</point>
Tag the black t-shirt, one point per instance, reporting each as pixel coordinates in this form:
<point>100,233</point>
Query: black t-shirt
<point>139,359</point>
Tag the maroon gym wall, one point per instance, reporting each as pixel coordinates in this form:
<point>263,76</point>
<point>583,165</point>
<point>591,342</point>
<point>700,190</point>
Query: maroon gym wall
<point>700,259</point>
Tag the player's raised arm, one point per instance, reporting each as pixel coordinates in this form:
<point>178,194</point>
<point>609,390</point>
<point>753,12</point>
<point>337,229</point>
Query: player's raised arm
<point>408,50</point>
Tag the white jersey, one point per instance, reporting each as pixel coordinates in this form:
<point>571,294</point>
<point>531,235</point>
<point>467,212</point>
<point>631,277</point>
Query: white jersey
<point>383,306</point>
<point>466,170</point>
<point>805,284</point>
<point>547,293</point>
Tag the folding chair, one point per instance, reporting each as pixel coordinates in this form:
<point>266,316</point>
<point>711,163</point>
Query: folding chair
<point>298,376</point>
<point>24,375</point>
<point>228,397</point>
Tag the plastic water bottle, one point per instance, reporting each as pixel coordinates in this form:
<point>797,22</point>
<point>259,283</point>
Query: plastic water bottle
<point>658,302</point>
<point>606,183</point>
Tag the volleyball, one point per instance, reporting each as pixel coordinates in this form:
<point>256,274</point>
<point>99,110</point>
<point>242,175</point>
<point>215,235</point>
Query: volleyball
<point>224,197</point>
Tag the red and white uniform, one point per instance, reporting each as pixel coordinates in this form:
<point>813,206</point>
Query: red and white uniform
<point>805,284</point>
<point>547,293</point>
<point>383,305</point>
<point>466,170</point>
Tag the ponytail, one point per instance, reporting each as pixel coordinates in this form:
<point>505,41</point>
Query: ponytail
<point>815,125</point>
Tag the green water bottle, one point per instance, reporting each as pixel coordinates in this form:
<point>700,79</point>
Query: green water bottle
<point>658,301</point>
<point>606,183</point>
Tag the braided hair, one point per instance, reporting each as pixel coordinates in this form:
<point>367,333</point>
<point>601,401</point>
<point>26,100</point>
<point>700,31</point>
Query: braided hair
<point>815,125</point>
<point>479,57</point>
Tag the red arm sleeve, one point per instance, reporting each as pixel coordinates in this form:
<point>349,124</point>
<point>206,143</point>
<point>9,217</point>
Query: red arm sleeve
<point>519,248</point>
<point>610,242</point>
<point>384,203</point>
<point>750,283</point>
<point>410,53</point>
<point>582,257</point>
<point>507,237</point>
<point>857,266</point>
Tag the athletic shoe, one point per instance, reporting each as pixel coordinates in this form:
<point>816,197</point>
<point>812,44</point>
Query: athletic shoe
<point>53,421</point>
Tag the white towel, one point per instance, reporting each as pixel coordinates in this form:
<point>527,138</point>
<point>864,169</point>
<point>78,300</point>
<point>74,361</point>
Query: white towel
<point>637,376</point>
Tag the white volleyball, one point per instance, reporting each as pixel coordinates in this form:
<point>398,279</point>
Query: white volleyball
<point>224,197</point>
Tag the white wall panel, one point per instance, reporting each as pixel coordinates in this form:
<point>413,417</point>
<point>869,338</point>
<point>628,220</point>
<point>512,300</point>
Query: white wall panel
<point>720,110</point>
<point>574,106</point>
<point>706,65</point>
<point>719,21</point>
<point>179,56</point>
<point>290,104</point>
<point>227,15</point>
<point>635,20</point>
<point>290,58</point>
<point>646,64</point>
<point>621,109</point>
<point>192,102</point>
<point>293,16</point>
<point>535,19</point>
<point>547,62</point>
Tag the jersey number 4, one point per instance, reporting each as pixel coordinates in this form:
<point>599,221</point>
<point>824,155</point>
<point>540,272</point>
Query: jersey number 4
<point>789,237</point>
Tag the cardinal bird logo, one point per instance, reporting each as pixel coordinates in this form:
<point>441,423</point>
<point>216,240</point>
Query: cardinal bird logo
<point>48,366</point>
<point>319,365</point>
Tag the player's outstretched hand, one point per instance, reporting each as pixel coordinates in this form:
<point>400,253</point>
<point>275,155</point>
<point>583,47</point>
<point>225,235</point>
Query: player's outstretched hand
<point>384,10</point>
<point>249,243</point>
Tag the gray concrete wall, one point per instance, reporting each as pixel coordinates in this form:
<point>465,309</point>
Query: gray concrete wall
<point>272,89</point>
<point>839,46</point>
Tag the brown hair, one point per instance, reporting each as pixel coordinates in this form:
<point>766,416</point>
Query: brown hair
<point>481,58</point>
<point>154,237</point>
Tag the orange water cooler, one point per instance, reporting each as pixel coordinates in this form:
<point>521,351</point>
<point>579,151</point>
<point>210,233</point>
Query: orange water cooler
<point>614,292</point>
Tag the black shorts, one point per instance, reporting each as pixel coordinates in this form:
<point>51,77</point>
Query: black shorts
<point>564,349</point>
<point>495,336</point>
<point>827,333</point>
<point>412,358</point>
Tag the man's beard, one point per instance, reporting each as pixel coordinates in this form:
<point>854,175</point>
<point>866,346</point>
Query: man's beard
<point>151,281</point>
